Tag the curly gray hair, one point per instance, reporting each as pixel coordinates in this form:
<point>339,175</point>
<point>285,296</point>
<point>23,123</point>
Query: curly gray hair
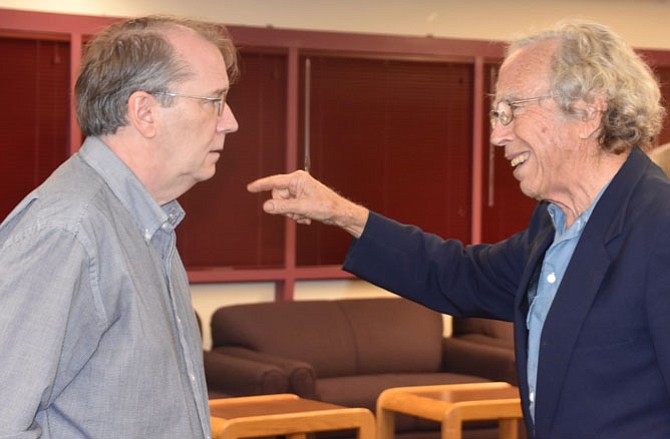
<point>592,60</point>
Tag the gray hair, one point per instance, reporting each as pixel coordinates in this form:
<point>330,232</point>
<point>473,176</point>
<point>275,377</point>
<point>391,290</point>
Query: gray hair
<point>592,60</point>
<point>136,55</point>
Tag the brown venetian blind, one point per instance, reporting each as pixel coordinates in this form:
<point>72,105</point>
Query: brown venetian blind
<point>34,91</point>
<point>395,136</point>
<point>225,226</point>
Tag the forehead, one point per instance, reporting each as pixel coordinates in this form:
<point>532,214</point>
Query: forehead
<point>203,57</point>
<point>525,73</point>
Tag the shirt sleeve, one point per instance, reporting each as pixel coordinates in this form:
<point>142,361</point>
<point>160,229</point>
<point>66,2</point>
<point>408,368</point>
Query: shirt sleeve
<point>43,276</point>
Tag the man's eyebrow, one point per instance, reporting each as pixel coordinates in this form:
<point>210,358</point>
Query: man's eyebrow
<point>499,97</point>
<point>220,91</point>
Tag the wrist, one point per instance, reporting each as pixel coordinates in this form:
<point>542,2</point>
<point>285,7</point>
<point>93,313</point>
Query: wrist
<point>354,219</point>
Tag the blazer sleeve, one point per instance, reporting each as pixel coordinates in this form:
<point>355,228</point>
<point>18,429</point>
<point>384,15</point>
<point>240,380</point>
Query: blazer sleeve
<point>443,274</point>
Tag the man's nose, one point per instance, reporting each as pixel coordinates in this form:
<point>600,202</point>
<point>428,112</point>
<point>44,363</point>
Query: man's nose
<point>501,134</point>
<point>227,121</point>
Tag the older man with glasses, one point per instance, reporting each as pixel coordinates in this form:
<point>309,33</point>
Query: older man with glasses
<point>587,284</point>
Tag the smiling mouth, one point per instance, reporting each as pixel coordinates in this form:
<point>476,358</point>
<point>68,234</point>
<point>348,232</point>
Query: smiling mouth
<point>520,159</point>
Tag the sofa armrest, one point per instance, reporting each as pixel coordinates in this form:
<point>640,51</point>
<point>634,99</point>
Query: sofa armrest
<point>301,375</point>
<point>238,376</point>
<point>470,358</point>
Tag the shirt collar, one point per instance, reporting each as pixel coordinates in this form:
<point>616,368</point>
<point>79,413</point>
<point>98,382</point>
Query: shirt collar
<point>147,213</point>
<point>558,218</point>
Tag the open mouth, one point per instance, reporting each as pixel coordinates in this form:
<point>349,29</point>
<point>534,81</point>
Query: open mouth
<point>520,159</point>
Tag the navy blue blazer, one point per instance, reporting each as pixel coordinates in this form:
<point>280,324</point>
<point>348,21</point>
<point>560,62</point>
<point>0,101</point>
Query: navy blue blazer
<point>604,367</point>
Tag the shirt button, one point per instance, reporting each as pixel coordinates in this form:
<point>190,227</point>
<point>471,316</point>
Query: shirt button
<point>191,376</point>
<point>531,396</point>
<point>551,278</point>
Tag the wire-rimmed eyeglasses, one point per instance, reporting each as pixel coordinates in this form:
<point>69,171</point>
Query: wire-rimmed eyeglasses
<point>504,111</point>
<point>216,101</point>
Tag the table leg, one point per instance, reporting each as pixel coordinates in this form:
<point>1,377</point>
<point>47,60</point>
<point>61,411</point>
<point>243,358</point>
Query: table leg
<point>508,429</point>
<point>367,428</point>
<point>385,424</point>
<point>451,427</point>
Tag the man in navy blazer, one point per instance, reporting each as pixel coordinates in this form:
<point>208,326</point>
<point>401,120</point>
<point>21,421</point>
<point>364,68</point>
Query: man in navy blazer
<point>587,284</point>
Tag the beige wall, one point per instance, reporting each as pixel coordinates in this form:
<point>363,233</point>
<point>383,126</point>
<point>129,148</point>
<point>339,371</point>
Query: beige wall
<point>642,22</point>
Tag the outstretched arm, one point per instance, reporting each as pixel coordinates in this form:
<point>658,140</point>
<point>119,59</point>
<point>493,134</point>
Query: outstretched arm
<point>302,198</point>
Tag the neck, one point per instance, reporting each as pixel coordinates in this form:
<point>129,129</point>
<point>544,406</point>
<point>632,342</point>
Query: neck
<point>579,195</point>
<point>138,154</point>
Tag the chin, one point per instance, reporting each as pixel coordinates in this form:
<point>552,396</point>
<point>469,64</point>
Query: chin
<point>206,174</point>
<point>529,192</point>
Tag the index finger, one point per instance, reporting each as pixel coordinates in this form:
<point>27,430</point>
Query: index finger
<point>279,181</point>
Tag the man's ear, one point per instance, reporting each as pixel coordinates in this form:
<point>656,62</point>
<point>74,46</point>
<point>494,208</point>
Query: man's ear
<point>592,115</point>
<point>142,113</point>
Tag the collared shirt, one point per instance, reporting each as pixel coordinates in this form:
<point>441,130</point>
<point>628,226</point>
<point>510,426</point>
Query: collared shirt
<point>542,294</point>
<point>97,331</point>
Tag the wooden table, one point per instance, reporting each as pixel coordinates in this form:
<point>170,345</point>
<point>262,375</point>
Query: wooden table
<point>451,405</point>
<point>284,415</point>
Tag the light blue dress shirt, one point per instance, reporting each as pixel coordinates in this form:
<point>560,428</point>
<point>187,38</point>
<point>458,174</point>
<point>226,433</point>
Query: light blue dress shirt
<point>541,294</point>
<point>97,331</point>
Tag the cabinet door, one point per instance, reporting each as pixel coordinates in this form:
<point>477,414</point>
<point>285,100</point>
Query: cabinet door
<point>225,226</point>
<point>34,115</point>
<point>393,135</point>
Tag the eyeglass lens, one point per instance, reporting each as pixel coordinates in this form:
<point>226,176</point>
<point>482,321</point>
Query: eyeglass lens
<point>502,113</point>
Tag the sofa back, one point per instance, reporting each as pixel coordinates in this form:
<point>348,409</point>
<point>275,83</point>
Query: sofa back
<point>485,331</point>
<point>338,337</point>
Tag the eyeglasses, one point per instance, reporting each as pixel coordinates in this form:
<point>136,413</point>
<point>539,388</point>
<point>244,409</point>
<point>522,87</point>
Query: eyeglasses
<point>217,101</point>
<point>504,111</point>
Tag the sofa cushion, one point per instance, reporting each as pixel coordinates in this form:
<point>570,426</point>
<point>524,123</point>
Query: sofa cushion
<point>493,332</point>
<point>340,337</point>
<point>301,376</point>
<point>241,376</point>
<point>317,333</point>
<point>394,336</point>
<point>475,354</point>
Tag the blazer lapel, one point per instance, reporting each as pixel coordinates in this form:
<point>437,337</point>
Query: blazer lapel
<point>579,287</point>
<point>573,300</point>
